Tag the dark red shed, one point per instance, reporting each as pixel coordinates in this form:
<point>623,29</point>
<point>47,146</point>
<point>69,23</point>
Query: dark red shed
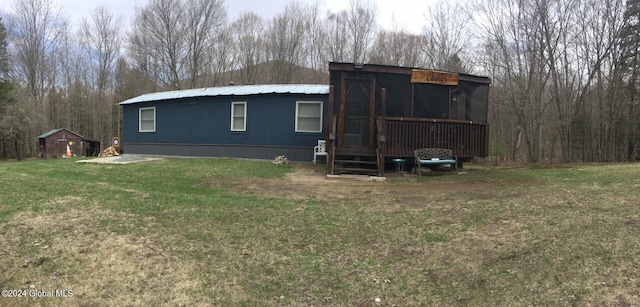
<point>53,144</point>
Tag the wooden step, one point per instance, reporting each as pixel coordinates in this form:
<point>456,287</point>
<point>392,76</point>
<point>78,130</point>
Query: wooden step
<point>357,162</point>
<point>347,151</point>
<point>355,170</point>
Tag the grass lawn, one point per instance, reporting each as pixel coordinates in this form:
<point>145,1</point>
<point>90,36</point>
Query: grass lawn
<point>230,232</point>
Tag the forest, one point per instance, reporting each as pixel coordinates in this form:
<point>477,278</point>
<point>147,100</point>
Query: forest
<point>565,73</point>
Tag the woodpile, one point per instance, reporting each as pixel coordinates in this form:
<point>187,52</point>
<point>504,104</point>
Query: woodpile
<point>280,160</point>
<point>109,152</point>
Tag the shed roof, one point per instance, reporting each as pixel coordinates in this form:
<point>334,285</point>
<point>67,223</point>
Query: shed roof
<point>238,90</point>
<point>47,134</point>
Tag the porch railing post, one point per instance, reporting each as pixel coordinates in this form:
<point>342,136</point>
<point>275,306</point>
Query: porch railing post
<point>330,134</point>
<point>382,131</point>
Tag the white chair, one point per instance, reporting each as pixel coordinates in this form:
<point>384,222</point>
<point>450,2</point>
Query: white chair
<point>320,150</point>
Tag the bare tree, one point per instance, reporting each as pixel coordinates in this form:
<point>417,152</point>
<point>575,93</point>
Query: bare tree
<point>5,94</point>
<point>74,69</point>
<point>362,27</point>
<point>446,37</point>
<point>284,43</point>
<point>101,41</point>
<point>204,20</point>
<point>34,32</point>
<point>337,36</point>
<point>54,99</point>
<point>629,68</point>
<point>351,32</point>
<point>220,70</point>
<point>514,53</point>
<point>398,48</point>
<point>174,40</point>
<point>158,41</point>
<point>4,57</point>
<point>558,44</point>
<point>247,33</point>
<point>315,40</point>
<point>556,66</point>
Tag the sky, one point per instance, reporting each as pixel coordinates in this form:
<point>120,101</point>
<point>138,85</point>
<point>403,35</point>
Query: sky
<point>392,14</point>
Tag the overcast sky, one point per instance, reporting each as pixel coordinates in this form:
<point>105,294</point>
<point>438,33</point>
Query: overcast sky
<point>407,14</point>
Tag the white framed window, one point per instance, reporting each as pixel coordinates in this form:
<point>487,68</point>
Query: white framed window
<point>147,120</point>
<point>309,116</point>
<point>238,116</point>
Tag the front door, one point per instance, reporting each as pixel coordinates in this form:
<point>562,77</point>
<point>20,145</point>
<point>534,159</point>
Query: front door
<point>355,123</point>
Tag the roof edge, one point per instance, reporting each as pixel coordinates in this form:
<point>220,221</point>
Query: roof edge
<point>54,131</point>
<point>236,90</point>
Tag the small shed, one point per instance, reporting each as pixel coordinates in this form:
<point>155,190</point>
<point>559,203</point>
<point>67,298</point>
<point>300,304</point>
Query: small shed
<point>53,144</point>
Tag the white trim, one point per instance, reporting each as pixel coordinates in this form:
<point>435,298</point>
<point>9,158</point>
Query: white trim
<point>140,119</point>
<point>244,116</point>
<point>297,116</point>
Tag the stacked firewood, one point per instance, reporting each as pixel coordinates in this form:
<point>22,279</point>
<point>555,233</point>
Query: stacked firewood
<point>109,152</point>
<point>280,160</point>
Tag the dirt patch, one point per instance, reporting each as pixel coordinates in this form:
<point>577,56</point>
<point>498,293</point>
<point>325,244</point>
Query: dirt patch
<point>304,183</point>
<point>311,182</point>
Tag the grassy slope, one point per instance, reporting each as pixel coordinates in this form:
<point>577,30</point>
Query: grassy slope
<point>156,233</point>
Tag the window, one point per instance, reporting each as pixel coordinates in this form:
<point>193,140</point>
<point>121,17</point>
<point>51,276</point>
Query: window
<point>147,120</point>
<point>238,116</point>
<point>309,116</point>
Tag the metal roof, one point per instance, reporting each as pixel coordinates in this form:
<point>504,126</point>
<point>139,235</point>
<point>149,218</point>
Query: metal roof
<point>238,90</point>
<point>47,134</point>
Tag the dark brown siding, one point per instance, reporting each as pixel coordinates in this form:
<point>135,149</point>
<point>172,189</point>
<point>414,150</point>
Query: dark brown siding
<point>55,145</point>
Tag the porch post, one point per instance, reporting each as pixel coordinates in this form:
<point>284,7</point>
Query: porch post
<point>330,135</point>
<point>382,131</point>
<point>343,94</point>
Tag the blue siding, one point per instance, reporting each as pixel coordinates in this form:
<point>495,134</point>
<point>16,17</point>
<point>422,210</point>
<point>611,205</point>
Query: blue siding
<point>207,120</point>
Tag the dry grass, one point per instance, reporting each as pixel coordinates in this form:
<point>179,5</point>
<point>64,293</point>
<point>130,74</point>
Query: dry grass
<point>225,232</point>
<point>66,250</point>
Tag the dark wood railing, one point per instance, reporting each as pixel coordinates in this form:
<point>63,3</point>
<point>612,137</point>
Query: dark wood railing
<point>466,139</point>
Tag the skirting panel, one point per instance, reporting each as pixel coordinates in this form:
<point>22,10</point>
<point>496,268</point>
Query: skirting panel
<point>231,151</point>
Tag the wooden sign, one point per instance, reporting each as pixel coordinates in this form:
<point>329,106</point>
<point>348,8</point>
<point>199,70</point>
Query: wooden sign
<point>433,77</point>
